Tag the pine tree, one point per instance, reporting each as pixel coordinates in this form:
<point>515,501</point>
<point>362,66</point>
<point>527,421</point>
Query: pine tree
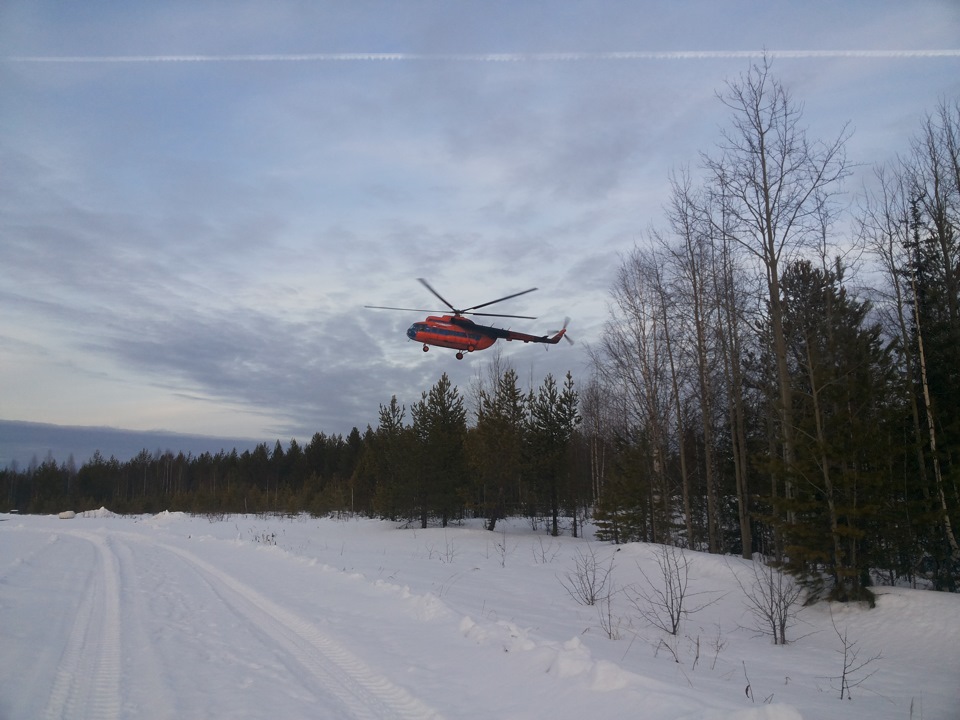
<point>842,378</point>
<point>440,428</point>
<point>554,415</point>
<point>623,513</point>
<point>498,444</point>
<point>389,459</point>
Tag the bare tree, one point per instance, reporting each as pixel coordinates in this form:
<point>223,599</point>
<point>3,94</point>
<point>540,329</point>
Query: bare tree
<point>772,598</point>
<point>730,299</point>
<point>597,423</point>
<point>885,227</point>
<point>934,173</point>
<point>935,177</point>
<point>665,599</point>
<point>631,356</point>
<point>702,304</point>
<point>588,582</point>
<point>692,262</point>
<point>854,672</point>
<point>771,181</point>
<point>665,302</point>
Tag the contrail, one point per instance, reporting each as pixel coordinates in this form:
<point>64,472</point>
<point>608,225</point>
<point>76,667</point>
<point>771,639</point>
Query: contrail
<point>485,57</point>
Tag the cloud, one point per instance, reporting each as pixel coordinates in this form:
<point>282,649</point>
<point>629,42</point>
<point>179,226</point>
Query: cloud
<point>195,205</point>
<point>549,57</point>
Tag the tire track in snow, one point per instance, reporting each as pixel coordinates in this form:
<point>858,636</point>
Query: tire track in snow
<point>152,685</point>
<point>338,672</point>
<point>87,681</point>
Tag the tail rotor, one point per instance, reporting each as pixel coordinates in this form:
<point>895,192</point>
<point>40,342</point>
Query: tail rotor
<point>562,332</point>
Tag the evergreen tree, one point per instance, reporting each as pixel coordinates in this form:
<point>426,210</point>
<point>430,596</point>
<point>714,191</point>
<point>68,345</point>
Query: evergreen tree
<point>389,457</point>
<point>497,445</point>
<point>554,415</point>
<point>623,513</point>
<point>440,428</point>
<point>843,376</point>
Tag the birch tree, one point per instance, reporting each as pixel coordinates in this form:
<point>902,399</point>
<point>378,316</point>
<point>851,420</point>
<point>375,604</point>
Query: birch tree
<point>772,179</point>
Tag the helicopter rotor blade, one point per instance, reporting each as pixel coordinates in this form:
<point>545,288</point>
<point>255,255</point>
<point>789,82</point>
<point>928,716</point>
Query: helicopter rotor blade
<point>507,297</point>
<point>385,307</point>
<point>458,312</point>
<point>521,317</point>
<point>440,297</point>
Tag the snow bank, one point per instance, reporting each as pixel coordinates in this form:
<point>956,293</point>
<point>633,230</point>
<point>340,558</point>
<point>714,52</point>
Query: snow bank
<point>165,518</point>
<point>101,513</point>
<point>573,661</point>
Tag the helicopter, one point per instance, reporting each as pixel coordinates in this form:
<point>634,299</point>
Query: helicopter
<point>463,334</point>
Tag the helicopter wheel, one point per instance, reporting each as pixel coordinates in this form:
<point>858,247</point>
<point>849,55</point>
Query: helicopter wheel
<point>426,348</point>
<point>459,356</point>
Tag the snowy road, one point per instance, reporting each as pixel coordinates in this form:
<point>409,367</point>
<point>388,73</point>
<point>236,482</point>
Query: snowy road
<point>145,629</point>
<point>183,617</point>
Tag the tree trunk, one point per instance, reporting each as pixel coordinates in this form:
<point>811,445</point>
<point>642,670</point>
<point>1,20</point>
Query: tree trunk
<point>932,430</point>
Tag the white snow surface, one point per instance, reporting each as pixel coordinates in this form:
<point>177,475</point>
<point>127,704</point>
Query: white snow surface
<point>241,616</point>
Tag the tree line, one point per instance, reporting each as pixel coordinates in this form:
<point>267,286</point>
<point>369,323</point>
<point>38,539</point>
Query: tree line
<point>518,457</point>
<point>780,374</point>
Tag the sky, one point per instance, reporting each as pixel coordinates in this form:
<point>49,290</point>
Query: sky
<point>197,199</point>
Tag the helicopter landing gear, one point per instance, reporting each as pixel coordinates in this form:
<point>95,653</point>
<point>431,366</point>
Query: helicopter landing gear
<point>426,348</point>
<point>459,356</point>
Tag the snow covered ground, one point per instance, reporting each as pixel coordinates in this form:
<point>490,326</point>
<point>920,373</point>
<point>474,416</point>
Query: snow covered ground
<point>174,616</point>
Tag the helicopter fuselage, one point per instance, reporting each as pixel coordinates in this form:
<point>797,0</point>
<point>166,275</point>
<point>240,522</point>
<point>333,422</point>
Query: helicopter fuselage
<point>451,331</point>
<point>464,335</point>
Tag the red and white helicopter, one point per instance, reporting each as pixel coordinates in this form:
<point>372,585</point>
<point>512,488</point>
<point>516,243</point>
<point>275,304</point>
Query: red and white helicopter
<point>463,334</point>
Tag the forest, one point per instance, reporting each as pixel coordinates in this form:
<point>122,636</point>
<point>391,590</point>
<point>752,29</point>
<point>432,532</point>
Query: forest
<point>779,377</point>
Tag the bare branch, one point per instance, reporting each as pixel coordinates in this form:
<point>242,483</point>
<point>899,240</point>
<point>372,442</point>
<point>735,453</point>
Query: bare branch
<point>665,601</point>
<point>772,599</point>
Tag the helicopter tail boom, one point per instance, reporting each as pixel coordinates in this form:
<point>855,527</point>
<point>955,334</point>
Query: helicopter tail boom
<point>524,337</point>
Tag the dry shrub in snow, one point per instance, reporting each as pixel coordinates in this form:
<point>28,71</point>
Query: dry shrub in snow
<point>665,599</point>
<point>773,599</point>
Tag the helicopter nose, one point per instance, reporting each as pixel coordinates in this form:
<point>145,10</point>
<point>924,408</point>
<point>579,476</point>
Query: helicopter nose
<point>412,332</point>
